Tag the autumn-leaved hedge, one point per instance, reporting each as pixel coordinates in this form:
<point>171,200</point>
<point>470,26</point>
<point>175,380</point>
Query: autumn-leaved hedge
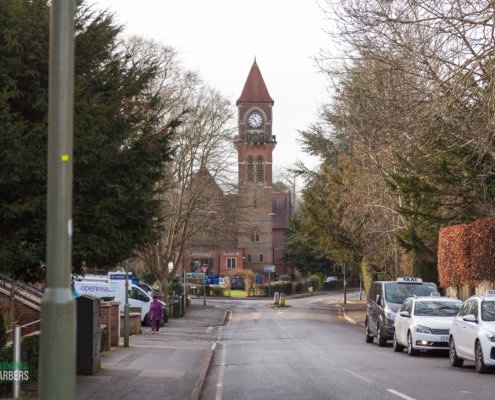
<point>466,253</point>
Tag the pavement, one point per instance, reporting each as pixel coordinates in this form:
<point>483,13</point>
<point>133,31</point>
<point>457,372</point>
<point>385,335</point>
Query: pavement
<point>354,312</point>
<point>172,364</point>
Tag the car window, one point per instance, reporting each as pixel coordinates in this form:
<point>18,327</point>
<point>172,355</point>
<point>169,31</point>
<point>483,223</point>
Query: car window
<point>380,291</point>
<point>409,307</point>
<point>373,292</point>
<point>437,308</point>
<point>488,310</point>
<point>465,308</point>
<point>474,309</point>
<point>137,294</point>
<point>403,307</point>
<point>398,292</point>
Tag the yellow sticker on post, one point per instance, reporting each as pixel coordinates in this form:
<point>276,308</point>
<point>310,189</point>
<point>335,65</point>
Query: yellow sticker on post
<point>65,157</point>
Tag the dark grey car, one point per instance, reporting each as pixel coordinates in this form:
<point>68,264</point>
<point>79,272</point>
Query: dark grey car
<point>384,300</point>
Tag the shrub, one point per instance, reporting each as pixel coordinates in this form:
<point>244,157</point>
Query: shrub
<point>299,287</point>
<point>174,285</point>
<point>320,275</point>
<point>29,354</point>
<point>284,278</point>
<point>216,291</point>
<point>315,282</point>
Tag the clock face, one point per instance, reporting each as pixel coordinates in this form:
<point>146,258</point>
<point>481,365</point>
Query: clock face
<point>255,120</point>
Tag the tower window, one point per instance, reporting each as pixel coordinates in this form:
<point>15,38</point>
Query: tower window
<point>250,170</point>
<point>261,257</point>
<point>260,170</point>
<point>255,204</point>
<point>249,257</point>
<point>257,237</point>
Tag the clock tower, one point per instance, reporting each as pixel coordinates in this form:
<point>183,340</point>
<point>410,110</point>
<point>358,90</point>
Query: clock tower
<point>255,144</point>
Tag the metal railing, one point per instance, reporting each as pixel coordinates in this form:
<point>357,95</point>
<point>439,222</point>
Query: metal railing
<point>16,359</point>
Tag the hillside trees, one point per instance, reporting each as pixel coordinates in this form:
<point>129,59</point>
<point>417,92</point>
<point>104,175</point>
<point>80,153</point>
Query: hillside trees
<point>122,141</point>
<point>406,141</point>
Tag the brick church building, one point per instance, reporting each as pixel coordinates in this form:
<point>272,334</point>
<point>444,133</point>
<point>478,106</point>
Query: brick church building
<point>254,143</point>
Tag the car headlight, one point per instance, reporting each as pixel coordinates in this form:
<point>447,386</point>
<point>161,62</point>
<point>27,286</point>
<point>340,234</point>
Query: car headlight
<point>389,314</point>
<point>490,336</point>
<point>423,329</point>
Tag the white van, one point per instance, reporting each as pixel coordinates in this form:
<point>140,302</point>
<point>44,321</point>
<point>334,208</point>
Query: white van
<point>137,297</point>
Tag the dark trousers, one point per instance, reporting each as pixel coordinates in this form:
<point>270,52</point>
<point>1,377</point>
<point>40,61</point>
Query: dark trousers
<point>155,325</point>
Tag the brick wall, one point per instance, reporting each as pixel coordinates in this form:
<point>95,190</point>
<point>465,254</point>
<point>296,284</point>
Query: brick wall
<point>134,324</point>
<point>115,323</point>
<point>23,313</point>
<point>106,311</point>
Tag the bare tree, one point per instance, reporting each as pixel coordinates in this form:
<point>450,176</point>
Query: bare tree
<point>288,176</point>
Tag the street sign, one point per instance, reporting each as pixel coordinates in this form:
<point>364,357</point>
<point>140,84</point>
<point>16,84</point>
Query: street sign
<point>382,277</point>
<point>345,283</point>
<point>213,280</point>
<point>195,275</point>
<point>204,269</point>
<point>282,295</point>
<point>269,268</point>
<point>258,279</point>
<point>205,280</point>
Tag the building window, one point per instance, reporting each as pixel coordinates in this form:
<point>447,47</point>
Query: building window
<point>255,204</point>
<point>195,265</point>
<point>260,170</point>
<point>250,170</point>
<point>231,263</point>
<point>255,235</point>
<point>261,257</point>
<point>249,258</point>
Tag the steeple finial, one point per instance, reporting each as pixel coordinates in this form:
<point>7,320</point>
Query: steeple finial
<point>255,61</point>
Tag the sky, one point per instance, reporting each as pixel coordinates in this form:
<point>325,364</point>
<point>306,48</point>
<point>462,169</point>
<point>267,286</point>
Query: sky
<point>220,38</point>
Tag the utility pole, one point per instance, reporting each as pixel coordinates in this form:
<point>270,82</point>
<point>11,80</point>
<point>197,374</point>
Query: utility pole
<point>58,308</point>
<point>345,287</point>
<point>126,306</point>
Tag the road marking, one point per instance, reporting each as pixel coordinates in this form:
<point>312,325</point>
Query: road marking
<point>400,394</point>
<point>359,376</point>
<point>209,329</point>
<point>213,346</point>
<point>220,375</point>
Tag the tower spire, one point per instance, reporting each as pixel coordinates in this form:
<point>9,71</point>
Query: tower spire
<point>255,90</point>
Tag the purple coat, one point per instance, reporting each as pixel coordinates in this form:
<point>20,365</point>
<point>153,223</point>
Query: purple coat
<point>156,311</point>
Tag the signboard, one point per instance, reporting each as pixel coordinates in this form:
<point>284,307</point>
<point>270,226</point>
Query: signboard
<point>117,279</point>
<point>213,280</point>
<point>205,280</point>
<point>135,281</point>
<point>258,279</point>
<point>195,275</point>
<point>204,269</point>
<point>345,283</point>
<point>490,293</point>
<point>282,295</point>
<point>382,277</point>
<point>269,268</point>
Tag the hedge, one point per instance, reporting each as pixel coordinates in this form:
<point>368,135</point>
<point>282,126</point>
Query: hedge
<point>466,253</point>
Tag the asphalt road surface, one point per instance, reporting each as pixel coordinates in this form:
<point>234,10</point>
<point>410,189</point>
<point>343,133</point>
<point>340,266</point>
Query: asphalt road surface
<point>310,352</point>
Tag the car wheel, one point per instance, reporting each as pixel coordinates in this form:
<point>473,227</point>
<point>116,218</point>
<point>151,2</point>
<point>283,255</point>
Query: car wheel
<point>410,349</point>
<point>367,336</point>
<point>398,348</point>
<point>379,338</point>
<point>147,321</point>
<point>454,360</point>
<point>480,364</point>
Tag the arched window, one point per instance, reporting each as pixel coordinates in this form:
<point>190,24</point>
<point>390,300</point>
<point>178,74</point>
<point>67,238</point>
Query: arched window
<point>257,237</point>
<point>255,234</point>
<point>261,257</point>
<point>255,204</point>
<point>260,170</point>
<point>249,258</point>
<point>250,170</point>
<point>252,237</point>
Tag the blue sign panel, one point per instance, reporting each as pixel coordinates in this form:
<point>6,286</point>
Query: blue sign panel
<point>135,281</point>
<point>213,280</point>
<point>258,279</point>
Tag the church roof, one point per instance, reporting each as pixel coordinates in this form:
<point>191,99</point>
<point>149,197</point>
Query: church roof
<point>281,207</point>
<point>255,90</point>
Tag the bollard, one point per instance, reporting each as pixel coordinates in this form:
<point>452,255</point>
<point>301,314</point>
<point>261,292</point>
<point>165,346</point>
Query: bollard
<point>16,361</point>
<point>276,298</point>
<point>282,299</point>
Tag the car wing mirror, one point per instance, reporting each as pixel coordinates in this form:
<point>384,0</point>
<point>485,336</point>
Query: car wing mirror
<point>470,318</point>
<point>404,314</point>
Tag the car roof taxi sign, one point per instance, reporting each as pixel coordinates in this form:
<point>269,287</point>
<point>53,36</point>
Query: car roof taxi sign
<point>409,280</point>
<point>490,293</point>
<point>434,294</point>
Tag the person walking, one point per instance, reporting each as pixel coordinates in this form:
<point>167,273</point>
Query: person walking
<point>156,314</point>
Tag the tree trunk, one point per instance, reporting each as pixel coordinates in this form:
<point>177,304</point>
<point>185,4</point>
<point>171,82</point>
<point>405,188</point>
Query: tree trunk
<point>164,288</point>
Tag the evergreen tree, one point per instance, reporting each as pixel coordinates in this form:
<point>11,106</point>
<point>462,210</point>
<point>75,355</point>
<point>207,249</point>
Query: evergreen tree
<point>120,144</point>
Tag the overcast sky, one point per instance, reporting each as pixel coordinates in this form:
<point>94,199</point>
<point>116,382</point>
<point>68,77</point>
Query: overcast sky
<point>220,38</point>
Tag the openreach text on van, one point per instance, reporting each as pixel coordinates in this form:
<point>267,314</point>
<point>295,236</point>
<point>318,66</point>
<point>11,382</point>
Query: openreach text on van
<point>97,289</point>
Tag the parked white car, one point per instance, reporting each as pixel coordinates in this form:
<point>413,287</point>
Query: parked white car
<point>472,336</point>
<point>330,279</point>
<point>423,323</point>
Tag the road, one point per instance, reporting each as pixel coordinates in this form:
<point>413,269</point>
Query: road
<point>310,352</point>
